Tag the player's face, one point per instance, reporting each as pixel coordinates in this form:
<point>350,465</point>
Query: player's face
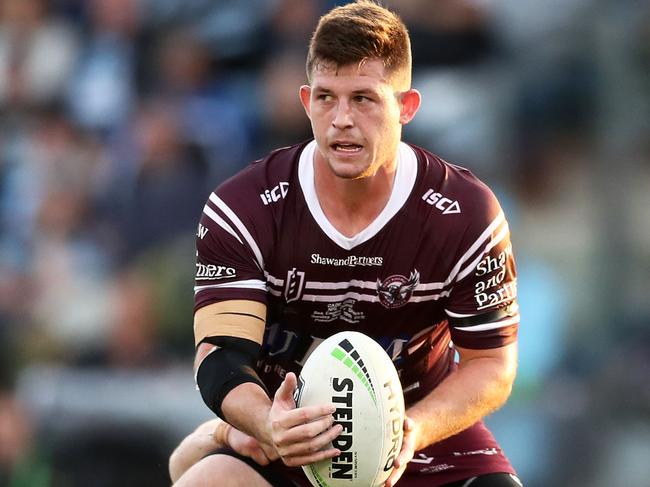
<point>357,115</point>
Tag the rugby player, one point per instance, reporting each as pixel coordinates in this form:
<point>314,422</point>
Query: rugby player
<point>353,230</point>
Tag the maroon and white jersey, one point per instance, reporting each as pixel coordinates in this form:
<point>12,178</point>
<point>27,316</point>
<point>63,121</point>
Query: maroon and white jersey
<point>435,267</point>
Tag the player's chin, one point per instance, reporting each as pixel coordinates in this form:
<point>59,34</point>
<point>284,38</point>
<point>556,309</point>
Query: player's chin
<point>349,169</point>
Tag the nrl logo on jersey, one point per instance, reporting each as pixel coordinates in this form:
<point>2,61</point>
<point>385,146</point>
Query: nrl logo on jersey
<point>395,291</point>
<point>294,285</point>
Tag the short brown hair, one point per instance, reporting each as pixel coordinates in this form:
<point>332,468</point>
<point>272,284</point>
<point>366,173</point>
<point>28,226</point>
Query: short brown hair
<point>357,32</point>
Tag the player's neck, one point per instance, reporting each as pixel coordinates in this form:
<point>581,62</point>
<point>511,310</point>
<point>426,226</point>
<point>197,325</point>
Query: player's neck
<point>351,205</point>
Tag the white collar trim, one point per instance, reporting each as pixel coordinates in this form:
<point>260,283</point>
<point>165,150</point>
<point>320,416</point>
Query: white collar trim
<point>405,177</point>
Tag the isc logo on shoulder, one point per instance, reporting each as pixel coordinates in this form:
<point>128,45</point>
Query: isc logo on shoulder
<point>273,195</point>
<point>437,200</point>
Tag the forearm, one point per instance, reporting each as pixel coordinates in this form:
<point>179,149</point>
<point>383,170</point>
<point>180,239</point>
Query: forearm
<point>247,407</point>
<point>478,387</point>
<point>229,384</point>
<point>201,442</point>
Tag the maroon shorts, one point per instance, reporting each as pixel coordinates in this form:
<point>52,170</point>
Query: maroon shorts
<point>471,453</point>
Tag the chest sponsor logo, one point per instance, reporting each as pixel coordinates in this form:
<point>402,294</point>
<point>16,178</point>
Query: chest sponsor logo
<point>201,231</point>
<point>395,291</point>
<point>350,261</point>
<point>272,195</point>
<point>437,200</point>
<point>343,310</point>
<point>294,286</point>
<point>212,271</point>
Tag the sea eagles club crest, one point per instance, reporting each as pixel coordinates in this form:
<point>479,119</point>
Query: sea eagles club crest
<point>395,291</point>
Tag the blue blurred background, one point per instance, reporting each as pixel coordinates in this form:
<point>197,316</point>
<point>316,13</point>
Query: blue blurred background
<point>117,117</point>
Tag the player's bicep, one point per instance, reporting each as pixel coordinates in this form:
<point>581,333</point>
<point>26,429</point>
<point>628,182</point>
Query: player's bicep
<point>233,318</point>
<point>501,362</point>
<point>228,335</point>
<point>506,355</point>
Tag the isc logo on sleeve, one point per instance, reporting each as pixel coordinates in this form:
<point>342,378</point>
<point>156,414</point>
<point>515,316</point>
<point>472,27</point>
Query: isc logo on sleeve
<point>438,201</point>
<point>273,195</point>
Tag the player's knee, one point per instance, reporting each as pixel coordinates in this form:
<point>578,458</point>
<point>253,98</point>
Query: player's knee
<point>222,471</point>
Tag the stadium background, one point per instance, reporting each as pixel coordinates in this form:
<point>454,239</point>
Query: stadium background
<point>119,116</point>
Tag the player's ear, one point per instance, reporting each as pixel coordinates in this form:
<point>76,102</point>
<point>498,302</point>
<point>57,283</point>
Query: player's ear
<point>305,98</point>
<point>410,101</point>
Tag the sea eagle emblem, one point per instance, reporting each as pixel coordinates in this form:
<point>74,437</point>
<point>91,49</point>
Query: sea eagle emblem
<point>395,291</point>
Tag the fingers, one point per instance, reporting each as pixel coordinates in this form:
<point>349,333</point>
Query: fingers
<point>300,460</point>
<point>284,393</point>
<point>309,429</point>
<point>408,444</point>
<point>306,442</point>
<point>301,435</point>
<point>405,454</point>
<point>311,445</point>
<point>269,451</point>
<point>301,416</point>
<point>259,456</point>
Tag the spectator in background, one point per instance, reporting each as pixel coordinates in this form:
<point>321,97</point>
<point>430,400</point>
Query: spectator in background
<point>54,243</point>
<point>291,23</point>
<point>37,54</point>
<point>454,55</point>
<point>212,109</point>
<point>102,92</point>
<point>457,34</point>
<point>283,117</point>
<point>132,337</point>
<point>156,194</point>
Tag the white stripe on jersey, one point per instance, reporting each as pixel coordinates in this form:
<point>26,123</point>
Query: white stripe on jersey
<point>245,284</point>
<point>240,226</point>
<point>458,315</point>
<point>490,326</point>
<point>221,222</point>
<point>431,297</point>
<point>472,250</point>
<point>503,233</point>
<point>352,283</point>
<point>371,298</point>
<point>273,280</point>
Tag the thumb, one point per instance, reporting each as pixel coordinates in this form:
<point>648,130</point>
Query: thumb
<point>285,391</point>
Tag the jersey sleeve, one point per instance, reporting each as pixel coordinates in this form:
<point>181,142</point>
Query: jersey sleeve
<point>482,308</point>
<point>229,261</point>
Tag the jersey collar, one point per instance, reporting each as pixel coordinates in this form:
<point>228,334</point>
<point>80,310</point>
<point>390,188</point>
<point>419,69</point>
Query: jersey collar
<point>405,177</point>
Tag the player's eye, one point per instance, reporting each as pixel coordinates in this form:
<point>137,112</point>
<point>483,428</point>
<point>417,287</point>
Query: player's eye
<point>361,99</point>
<point>324,97</point>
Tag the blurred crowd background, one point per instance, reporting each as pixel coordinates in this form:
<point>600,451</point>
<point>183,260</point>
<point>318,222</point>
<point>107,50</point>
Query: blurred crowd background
<point>117,117</point>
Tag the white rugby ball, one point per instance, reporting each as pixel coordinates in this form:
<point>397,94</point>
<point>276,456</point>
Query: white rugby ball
<point>352,371</point>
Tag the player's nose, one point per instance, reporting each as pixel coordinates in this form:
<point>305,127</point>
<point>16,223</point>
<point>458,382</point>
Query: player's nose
<point>342,117</point>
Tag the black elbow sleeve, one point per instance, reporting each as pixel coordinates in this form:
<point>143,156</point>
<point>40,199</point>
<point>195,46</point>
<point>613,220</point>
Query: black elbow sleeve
<point>232,363</point>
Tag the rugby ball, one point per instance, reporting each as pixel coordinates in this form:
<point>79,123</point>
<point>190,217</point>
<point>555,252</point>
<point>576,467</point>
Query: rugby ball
<point>353,372</point>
